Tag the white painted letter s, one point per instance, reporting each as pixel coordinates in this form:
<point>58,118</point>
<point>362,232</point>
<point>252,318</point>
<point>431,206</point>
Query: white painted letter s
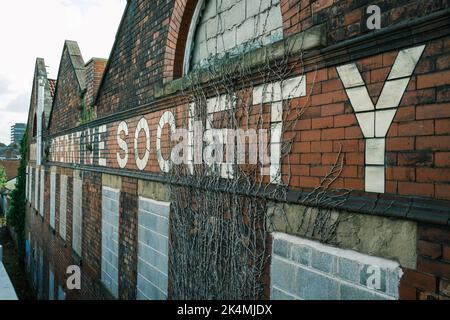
<point>123,127</point>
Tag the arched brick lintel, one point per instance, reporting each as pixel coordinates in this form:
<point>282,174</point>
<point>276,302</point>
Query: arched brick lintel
<point>180,21</point>
<point>179,24</point>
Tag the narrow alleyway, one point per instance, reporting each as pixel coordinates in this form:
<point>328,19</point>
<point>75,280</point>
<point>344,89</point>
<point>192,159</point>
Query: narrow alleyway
<point>14,266</point>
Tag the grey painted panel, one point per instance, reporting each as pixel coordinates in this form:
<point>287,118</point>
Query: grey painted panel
<point>42,194</point>
<point>110,239</point>
<point>155,207</point>
<point>281,248</point>
<point>154,222</point>
<point>349,292</point>
<point>63,207</point>
<point>51,285</point>
<point>153,247</point>
<point>147,290</point>
<point>283,273</point>
<point>61,293</point>
<point>316,286</point>
<point>152,239</point>
<point>277,294</point>
<point>304,269</point>
<point>159,279</point>
<point>322,261</point>
<point>154,258</point>
<point>52,199</point>
<point>301,255</point>
<point>36,189</point>
<point>77,215</point>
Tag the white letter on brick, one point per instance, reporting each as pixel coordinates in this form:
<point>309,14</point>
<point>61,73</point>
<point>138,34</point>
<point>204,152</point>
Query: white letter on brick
<point>376,121</point>
<point>167,118</point>
<point>275,93</point>
<point>122,145</point>
<point>142,126</point>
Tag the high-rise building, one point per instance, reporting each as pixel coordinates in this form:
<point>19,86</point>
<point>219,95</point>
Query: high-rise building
<point>17,132</point>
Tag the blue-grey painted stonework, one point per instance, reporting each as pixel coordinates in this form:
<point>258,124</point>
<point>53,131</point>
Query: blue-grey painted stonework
<point>77,215</point>
<point>41,275</point>
<point>307,270</point>
<point>110,239</point>
<point>61,293</point>
<point>6,288</point>
<point>51,285</point>
<point>52,199</point>
<point>153,247</point>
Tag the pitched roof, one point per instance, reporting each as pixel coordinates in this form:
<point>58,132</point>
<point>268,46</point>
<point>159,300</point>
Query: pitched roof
<point>41,72</point>
<point>77,62</point>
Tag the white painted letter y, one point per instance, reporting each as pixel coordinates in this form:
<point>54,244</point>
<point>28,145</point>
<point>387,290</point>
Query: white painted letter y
<point>376,121</point>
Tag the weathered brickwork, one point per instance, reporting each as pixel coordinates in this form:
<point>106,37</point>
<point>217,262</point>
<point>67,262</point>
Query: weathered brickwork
<point>138,59</point>
<point>142,84</point>
<point>416,157</point>
<point>67,109</point>
<point>431,279</point>
<point>347,19</point>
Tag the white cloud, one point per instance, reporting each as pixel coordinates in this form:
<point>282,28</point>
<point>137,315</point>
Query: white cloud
<point>4,85</point>
<point>19,104</point>
<point>40,31</point>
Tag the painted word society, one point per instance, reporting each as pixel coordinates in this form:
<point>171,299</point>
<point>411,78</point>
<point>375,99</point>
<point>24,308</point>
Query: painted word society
<point>197,146</point>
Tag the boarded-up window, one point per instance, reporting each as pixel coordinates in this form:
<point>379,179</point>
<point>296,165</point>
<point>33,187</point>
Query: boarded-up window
<point>41,196</point>
<point>77,211</point>
<point>51,285</point>
<point>41,275</point>
<point>36,189</point>
<point>63,206</point>
<point>52,199</point>
<point>30,184</point>
<point>153,249</point>
<point>61,293</point>
<point>110,239</point>
<point>307,270</point>
<point>27,183</point>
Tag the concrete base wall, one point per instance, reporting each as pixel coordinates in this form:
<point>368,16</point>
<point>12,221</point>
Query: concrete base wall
<point>373,235</point>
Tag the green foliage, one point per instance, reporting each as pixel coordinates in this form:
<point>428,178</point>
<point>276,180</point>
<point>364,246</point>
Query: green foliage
<point>16,213</point>
<point>87,112</point>
<point>2,177</point>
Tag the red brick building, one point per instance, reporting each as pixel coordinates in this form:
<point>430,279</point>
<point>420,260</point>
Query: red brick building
<point>348,193</point>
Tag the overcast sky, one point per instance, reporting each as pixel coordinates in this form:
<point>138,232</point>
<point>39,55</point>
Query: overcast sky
<point>31,29</point>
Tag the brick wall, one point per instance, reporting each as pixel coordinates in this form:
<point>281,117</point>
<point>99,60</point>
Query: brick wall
<point>138,56</point>
<point>417,157</point>
<point>67,105</point>
<point>129,238</point>
<point>148,52</point>
<point>431,280</point>
<point>11,167</point>
<point>94,73</point>
<point>347,19</point>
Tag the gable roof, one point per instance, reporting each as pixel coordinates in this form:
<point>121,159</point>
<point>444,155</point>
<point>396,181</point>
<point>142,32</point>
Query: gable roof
<point>77,62</point>
<point>40,71</point>
<point>78,65</point>
<point>113,50</point>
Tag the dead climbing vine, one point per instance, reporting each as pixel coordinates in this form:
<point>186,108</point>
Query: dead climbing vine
<point>219,228</point>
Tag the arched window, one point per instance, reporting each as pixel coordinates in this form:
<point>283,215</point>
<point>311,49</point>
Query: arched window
<point>227,28</point>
